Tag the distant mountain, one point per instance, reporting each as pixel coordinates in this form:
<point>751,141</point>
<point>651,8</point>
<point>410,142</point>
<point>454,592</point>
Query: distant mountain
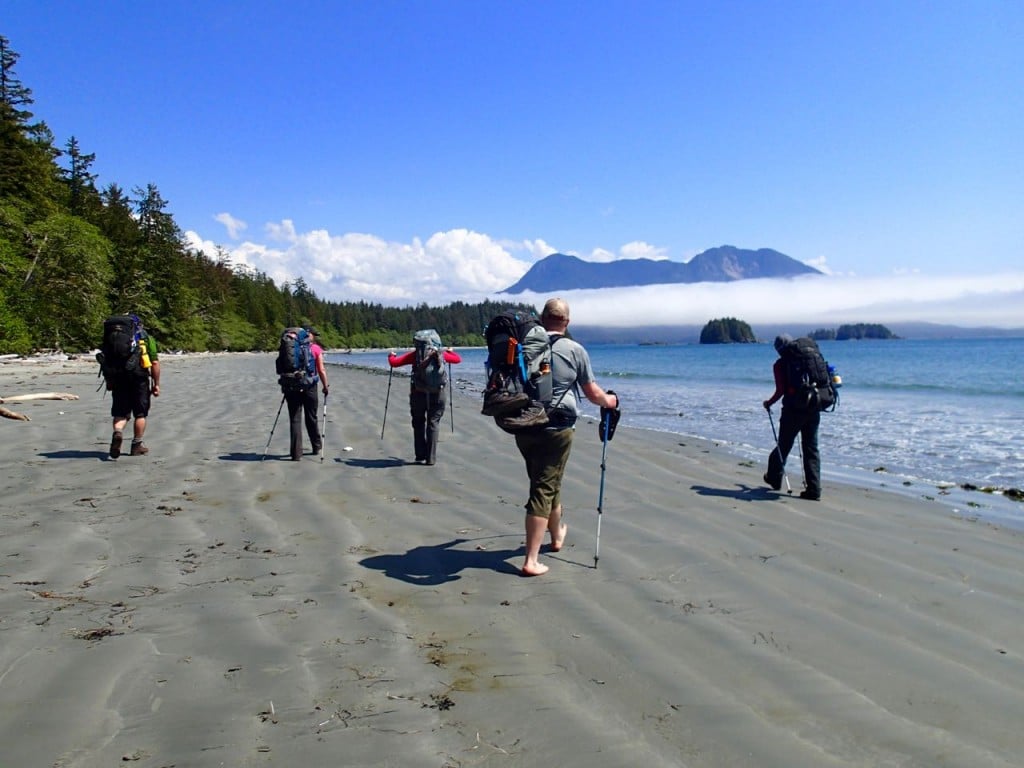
<point>559,272</point>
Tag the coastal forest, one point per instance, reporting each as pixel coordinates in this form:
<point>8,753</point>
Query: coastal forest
<point>73,252</point>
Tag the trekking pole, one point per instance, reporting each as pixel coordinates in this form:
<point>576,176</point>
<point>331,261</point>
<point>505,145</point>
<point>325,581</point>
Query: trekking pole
<point>606,418</point>
<point>388,397</point>
<point>779,451</point>
<point>323,432</point>
<point>451,397</point>
<point>267,446</point>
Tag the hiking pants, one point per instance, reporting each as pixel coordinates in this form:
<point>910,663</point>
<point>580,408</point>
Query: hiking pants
<point>427,409</point>
<point>302,406</point>
<point>804,423</point>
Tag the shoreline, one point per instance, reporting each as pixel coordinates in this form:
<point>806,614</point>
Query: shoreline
<point>1001,505</point>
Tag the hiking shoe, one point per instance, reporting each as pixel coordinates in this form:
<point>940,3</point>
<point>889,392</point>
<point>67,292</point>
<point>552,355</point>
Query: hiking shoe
<point>115,444</point>
<point>810,496</point>
<point>139,449</point>
<point>770,484</point>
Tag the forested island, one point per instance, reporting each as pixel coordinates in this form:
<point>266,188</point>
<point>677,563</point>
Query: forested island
<point>72,253</point>
<point>727,330</point>
<point>853,331</point>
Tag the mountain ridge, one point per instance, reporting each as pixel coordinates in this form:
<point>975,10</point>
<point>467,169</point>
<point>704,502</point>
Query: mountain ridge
<point>725,263</point>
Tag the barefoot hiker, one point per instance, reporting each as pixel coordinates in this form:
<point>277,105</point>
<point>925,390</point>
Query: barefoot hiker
<point>546,450</point>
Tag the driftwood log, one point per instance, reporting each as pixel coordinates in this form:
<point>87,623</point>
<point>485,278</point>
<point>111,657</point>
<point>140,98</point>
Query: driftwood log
<point>34,396</point>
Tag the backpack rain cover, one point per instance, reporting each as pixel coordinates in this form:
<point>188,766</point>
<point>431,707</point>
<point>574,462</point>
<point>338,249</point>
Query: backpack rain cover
<point>428,374</point>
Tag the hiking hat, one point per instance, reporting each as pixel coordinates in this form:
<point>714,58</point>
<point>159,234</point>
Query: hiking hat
<point>313,331</point>
<point>781,341</point>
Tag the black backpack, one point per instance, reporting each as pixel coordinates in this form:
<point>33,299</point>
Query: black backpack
<point>296,368</point>
<point>519,386</point>
<point>808,380</point>
<point>120,354</point>
<point>428,374</point>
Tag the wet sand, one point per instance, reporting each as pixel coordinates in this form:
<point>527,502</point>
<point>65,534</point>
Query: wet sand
<point>200,607</point>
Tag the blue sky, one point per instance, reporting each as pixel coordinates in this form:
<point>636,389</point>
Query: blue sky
<point>430,151</point>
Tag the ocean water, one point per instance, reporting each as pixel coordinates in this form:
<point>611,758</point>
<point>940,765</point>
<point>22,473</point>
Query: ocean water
<point>920,416</point>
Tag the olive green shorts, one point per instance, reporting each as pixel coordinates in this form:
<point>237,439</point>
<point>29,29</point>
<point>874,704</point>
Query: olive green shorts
<point>546,453</point>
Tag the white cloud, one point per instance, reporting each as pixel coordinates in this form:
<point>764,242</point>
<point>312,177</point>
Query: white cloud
<point>234,226</point>
<point>996,300</point>
<point>458,264</point>
<point>461,264</point>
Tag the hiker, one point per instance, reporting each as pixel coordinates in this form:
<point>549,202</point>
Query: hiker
<point>796,419</point>
<point>304,402</point>
<point>130,363</point>
<point>427,390</point>
<point>546,449</point>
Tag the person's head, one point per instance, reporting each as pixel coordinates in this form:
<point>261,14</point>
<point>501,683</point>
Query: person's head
<point>313,332</point>
<point>782,340</point>
<point>555,315</point>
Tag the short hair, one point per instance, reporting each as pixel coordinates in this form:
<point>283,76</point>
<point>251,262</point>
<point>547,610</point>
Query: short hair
<point>556,309</point>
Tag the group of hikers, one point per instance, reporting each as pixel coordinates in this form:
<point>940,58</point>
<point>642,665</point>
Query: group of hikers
<point>537,377</point>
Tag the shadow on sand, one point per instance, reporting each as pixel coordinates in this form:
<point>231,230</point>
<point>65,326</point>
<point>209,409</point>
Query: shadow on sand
<point>441,563</point>
<point>742,493</point>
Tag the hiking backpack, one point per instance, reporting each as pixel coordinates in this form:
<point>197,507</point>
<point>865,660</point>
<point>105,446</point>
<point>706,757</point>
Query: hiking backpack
<point>428,364</point>
<point>808,380</point>
<point>120,353</point>
<point>519,386</point>
<point>296,368</point>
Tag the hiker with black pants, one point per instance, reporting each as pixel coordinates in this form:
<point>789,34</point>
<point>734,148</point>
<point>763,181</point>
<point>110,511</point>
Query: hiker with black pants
<point>130,364</point>
<point>428,391</point>
<point>546,450</point>
<point>797,419</point>
<point>303,404</point>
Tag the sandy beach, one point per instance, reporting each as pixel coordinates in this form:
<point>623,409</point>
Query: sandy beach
<point>201,607</point>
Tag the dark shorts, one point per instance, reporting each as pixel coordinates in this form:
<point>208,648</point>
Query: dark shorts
<point>130,398</point>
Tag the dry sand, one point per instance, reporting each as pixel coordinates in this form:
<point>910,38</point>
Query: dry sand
<point>199,607</point>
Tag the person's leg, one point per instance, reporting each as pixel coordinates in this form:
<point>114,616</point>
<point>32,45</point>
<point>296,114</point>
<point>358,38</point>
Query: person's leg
<point>120,410</point>
<point>557,528</point>
<point>418,414</point>
<point>294,400</point>
<point>311,406</point>
<point>788,428</point>
<point>140,409</point>
<point>812,458</point>
<point>546,454</point>
<point>435,411</point>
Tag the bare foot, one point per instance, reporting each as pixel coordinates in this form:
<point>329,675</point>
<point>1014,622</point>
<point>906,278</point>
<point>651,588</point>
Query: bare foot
<point>558,542</point>
<point>537,569</point>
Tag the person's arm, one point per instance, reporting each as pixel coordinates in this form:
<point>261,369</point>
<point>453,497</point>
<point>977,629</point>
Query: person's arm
<point>321,371</point>
<point>451,356</point>
<point>598,396</point>
<point>154,378</point>
<point>396,361</point>
<point>780,385</point>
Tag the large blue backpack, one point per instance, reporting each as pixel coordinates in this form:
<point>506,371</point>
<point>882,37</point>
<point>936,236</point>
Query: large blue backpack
<point>296,368</point>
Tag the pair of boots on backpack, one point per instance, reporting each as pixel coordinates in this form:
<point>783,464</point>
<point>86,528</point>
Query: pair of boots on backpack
<point>138,447</point>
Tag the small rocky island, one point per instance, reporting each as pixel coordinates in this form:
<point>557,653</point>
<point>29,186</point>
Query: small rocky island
<point>727,330</point>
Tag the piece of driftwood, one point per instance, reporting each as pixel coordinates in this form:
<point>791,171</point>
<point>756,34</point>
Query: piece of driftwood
<point>39,396</point>
<point>12,415</point>
<point>34,396</point>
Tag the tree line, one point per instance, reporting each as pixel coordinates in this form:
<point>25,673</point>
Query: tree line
<point>73,253</point>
